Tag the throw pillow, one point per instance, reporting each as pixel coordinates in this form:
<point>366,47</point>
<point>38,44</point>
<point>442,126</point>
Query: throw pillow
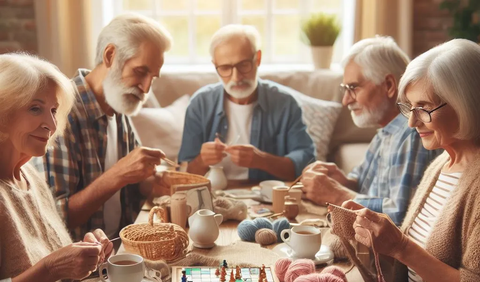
<point>320,117</point>
<point>162,128</point>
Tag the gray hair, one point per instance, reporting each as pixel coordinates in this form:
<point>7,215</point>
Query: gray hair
<point>127,32</point>
<point>451,69</point>
<point>378,57</point>
<point>236,30</point>
<point>21,77</point>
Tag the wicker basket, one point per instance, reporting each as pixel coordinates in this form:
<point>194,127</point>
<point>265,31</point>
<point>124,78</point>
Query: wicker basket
<point>182,181</point>
<point>155,241</point>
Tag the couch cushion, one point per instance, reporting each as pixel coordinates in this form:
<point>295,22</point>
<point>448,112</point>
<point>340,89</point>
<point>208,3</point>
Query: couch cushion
<point>162,128</point>
<point>349,156</point>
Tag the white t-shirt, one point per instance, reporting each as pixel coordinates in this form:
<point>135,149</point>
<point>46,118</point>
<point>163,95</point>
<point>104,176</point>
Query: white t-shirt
<point>112,209</point>
<point>238,133</point>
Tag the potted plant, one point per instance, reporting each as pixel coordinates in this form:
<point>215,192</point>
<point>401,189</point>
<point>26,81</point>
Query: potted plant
<point>466,18</point>
<point>320,31</point>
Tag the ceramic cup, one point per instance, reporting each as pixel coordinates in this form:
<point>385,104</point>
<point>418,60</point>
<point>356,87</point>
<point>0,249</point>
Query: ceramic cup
<point>296,192</point>
<point>179,210</point>
<point>126,268</point>
<point>278,198</point>
<point>305,241</point>
<point>266,188</point>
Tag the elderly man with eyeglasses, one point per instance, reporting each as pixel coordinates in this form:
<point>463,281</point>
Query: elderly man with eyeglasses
<point>395,160</point>
<point>251,127</point>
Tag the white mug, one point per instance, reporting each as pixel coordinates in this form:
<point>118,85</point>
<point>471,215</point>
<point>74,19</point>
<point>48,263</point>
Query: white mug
<point>126,268</point>
<point>266,188</point>
<point>305,241</point>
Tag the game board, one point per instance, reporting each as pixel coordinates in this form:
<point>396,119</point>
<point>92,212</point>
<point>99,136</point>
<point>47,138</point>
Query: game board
<point>208,274</point>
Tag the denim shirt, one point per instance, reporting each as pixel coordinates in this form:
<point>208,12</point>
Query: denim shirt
<point>277,126</point>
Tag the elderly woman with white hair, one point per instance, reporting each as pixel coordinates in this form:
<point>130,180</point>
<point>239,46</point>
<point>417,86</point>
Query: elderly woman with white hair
<point>440,236</point>
<point>35,99</point>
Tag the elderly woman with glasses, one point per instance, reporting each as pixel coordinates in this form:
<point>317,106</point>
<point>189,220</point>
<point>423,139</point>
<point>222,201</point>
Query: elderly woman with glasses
<point>35,99</point>
<point>440,236</point>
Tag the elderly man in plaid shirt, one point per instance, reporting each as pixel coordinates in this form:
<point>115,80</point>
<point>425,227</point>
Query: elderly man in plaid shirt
<point>396,159</point>
<point>98,171</point>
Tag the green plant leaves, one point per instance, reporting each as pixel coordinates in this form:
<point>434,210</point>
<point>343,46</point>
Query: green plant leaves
<point>320,30</point>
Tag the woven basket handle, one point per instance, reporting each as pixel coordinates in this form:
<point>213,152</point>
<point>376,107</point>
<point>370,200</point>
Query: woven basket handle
<point>160,212</point>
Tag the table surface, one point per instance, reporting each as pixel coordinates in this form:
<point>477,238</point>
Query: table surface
<point>228,230</point>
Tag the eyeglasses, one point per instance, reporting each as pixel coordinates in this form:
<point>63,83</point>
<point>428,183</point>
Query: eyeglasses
<point>420,113</point>
<point>242,67</point>
<point>350,89</point>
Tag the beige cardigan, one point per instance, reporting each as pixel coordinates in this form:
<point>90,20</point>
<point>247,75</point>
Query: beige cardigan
<point>30,227</point>
<point>455,238</point>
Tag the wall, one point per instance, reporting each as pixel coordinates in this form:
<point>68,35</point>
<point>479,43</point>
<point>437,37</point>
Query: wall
<point>17,26</point>
<point>430,25</point>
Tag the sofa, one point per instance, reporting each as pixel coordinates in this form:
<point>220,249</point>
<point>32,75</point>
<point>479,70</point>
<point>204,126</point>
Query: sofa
<point>159,123</point>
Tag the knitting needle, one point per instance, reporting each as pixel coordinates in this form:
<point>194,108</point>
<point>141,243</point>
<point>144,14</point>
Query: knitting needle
<point>170,162</point>
<point>298,178</point>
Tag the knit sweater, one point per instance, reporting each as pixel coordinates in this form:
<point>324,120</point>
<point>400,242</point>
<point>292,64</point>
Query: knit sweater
<point>30,227</point>
<point>455,237</point>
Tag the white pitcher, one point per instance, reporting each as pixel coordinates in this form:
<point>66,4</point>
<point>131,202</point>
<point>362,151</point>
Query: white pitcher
<point>204,228</point>
<point>217,177</point>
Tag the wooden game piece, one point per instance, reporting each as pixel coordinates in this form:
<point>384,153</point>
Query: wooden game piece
<point>238,275</point>
<point>222,275</point>
<point>224,271</point>
<point>225,263</point>
<point>232,278</point>
<point>217,272</point>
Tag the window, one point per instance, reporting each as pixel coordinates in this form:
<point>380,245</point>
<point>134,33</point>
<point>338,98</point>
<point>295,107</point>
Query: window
<point>193,22</point>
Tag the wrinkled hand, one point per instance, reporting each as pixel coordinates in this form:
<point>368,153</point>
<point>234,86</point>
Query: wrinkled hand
<point>75,261</point>
<point>138,164</point>
<point>98,236</point>
<point>212,152</point>
<point>320,188</point>
<point>245,155</point>
<point>330,169</point>
<point>387,239</point>
<point>159,186</point>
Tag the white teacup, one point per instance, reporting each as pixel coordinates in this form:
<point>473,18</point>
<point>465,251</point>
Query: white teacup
<point>305,241</point>
<point>266,188</point>
<point>126,268</point>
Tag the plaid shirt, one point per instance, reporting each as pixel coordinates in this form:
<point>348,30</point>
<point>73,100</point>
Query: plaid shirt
<point>79,156</point>
<point>392,169</point>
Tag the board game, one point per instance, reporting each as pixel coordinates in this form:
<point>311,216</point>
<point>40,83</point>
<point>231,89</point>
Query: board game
<point>230,274</point>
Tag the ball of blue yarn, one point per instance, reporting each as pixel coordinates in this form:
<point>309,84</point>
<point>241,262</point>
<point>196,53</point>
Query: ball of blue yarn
<point>279,225</point>
<point>261,222</point>
<point>246,230</point>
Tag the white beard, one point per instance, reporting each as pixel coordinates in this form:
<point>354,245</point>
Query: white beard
<point>241,94</point>
<point>119,96</point>
<point>369,118</point>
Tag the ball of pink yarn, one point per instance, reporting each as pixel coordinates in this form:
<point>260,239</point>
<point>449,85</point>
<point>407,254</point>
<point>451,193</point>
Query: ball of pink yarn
<point>335,271</point>
<point>281,267</point>
<point>316,277</point>
<point>298,268</point>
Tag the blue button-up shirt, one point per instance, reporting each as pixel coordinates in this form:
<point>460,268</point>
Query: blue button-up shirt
<point>393,167</point>
<point>277,126</point>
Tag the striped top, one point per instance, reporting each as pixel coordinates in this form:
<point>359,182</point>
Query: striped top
<point>424,222</point>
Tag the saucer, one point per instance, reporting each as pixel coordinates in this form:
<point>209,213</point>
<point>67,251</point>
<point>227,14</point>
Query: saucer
<point>324,255</point>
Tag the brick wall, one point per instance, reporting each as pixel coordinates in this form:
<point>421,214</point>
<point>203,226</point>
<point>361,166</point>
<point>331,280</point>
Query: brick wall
<point>17,26</point>
<point>430,25</point>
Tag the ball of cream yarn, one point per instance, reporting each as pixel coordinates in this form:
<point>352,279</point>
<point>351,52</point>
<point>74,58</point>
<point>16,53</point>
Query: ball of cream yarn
<point>265,236</point>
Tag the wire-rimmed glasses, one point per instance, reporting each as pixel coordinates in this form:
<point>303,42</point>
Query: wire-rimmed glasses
<point>420,113</point>
<point>242,67</point>
<point>350,89</point>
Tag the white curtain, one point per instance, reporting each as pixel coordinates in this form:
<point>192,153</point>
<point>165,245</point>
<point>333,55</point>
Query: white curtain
<point>64,31</point>
<point>385,17</point>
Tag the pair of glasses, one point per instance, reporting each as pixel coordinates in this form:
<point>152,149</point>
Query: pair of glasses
<point>420,113</point>
<point>242,67</point>
<point>350,89</point>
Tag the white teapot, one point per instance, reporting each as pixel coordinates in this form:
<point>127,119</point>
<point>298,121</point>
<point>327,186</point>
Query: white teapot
<point>204,228</point>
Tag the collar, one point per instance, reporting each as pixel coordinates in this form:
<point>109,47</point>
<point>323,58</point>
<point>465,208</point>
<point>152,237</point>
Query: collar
<point>261,99</point>
<point>87,96</point>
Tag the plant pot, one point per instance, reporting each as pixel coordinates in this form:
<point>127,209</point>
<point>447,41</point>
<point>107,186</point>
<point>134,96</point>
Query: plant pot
<point>322,56</point>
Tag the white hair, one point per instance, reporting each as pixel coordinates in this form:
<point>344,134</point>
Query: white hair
<point>126,32</point>
<point>21,77</point>
<point>378,57</point>
<point>451,70</point>
<point>236,30</point>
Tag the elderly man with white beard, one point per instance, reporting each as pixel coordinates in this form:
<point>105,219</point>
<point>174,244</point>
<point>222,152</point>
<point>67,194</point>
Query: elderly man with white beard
<point>251,127</point>
<point>98,172</point>
<point>396,159</point>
